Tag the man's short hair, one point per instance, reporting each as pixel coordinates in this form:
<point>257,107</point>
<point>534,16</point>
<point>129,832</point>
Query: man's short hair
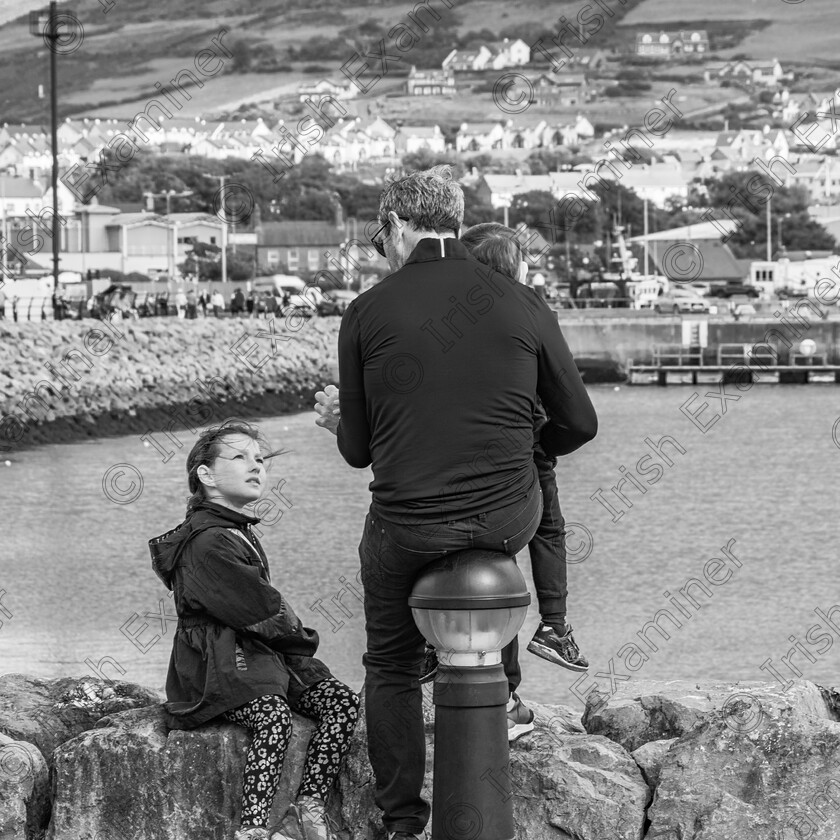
<point>430,199</point>
<point>495,245</point>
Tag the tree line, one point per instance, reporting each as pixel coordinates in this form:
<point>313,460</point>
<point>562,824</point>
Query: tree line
<point>312,191</point>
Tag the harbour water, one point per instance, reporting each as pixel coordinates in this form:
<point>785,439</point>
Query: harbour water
<point>76,577</point>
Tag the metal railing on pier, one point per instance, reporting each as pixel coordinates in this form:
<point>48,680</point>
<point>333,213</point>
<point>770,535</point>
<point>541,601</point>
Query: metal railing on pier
<point>733,363</point>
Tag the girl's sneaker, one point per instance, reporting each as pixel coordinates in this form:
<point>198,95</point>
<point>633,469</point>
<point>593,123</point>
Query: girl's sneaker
<point>310,814</point>
<point>251,832</point>
<point>278,833</point>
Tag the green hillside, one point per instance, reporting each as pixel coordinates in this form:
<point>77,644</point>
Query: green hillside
<point>129,45</point>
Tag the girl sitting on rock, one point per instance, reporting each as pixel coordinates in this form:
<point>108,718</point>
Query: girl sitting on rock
<point>239,650</point>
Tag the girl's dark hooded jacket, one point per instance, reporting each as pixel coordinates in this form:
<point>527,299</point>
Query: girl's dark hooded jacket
<point>237,637</point>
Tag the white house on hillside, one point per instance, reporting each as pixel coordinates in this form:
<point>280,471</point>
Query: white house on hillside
<point>480,137</point>
<point>520,136</point>
<point>562,134</point>
<point>764,74</point>
<point>341,89</point>
<point>430,82</point>
<point>415,138</point>
<point>509,53</point>
<point>495,56</point>
<point>467,59</point>
<point>351,141</point>
<point>668,44</point>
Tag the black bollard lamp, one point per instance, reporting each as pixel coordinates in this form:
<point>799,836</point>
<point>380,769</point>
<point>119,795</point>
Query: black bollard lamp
<point>470,605</point>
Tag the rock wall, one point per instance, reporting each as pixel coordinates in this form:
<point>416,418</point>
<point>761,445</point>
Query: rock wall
<point>652,761</point>
<point>64,380</point>
<point>68,380</point>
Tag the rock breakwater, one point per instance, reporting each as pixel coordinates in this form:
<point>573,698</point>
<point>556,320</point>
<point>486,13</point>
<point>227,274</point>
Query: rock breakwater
<point>70,380</point>
<point>657,760</point>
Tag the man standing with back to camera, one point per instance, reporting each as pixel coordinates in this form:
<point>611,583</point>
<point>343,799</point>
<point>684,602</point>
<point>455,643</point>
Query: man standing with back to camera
<point>438,387</point>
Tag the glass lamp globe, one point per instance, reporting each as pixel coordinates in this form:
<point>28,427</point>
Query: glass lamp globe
<point>469,605</point>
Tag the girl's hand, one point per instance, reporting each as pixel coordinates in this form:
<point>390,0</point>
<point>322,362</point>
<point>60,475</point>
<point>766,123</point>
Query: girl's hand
<point>328,409</point>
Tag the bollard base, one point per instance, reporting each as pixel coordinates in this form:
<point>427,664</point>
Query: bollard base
<point>473,793</point>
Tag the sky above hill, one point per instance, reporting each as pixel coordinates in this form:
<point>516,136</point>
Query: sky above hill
<point>11,9</point>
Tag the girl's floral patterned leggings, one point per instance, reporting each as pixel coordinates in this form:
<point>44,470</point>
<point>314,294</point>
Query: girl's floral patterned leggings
<point>332,705</point>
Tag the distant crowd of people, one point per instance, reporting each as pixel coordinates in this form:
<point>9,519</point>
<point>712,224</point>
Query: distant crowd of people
<point>254,304</point>
<point>187,304</point>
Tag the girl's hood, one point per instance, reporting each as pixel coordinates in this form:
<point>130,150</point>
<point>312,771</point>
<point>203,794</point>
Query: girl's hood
<point>167,548</point>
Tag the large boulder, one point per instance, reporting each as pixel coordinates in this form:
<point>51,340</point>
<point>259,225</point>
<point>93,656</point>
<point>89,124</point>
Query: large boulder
<point>565,783</point>
<point>773,781</point>
<point>48,712</point>
<point>649,757</point>
<point>24,790</point>
<point>640,711</point>
<point>576,786</point>
<point>130,778</point>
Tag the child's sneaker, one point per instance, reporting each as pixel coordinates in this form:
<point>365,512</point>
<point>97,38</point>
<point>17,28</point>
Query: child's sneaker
<point>520,718</point>
<point>430,665</point>
<point>561,650</point>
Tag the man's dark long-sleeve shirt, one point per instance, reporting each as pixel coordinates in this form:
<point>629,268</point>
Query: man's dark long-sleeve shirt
<point>439,365</point>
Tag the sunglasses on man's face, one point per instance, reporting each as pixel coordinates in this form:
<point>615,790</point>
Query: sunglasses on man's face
<point>381,234</point>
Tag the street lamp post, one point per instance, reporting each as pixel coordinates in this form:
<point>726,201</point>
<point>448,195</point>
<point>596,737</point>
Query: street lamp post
<point>43,25</point>
<point>504,201</point>
<point>686,208</point>
<point>469,605</point>
<point>779,220</point>
<point>568,256</point>
<point>3,234</point>
<point>354,238</point>
<point>769,230</point>
<point>221,180</point>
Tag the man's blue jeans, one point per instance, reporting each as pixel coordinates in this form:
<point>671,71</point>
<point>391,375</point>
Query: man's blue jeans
<point>392,556</point>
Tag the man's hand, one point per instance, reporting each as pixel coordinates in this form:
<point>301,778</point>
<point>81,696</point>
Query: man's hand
<point>328,409</point>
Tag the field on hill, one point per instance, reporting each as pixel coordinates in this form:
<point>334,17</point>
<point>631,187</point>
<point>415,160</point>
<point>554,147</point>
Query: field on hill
<point>129,48</point>
<point>798,32</point>
<point>142,42</point>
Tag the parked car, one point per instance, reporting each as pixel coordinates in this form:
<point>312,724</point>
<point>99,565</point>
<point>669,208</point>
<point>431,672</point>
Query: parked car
<point>305,301</point>
<point>336,301</point>
<point>788,293</point>
<point>680,300</point>
<point>732,289</point>
<point>741,309</point>
<point>701,287</point>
